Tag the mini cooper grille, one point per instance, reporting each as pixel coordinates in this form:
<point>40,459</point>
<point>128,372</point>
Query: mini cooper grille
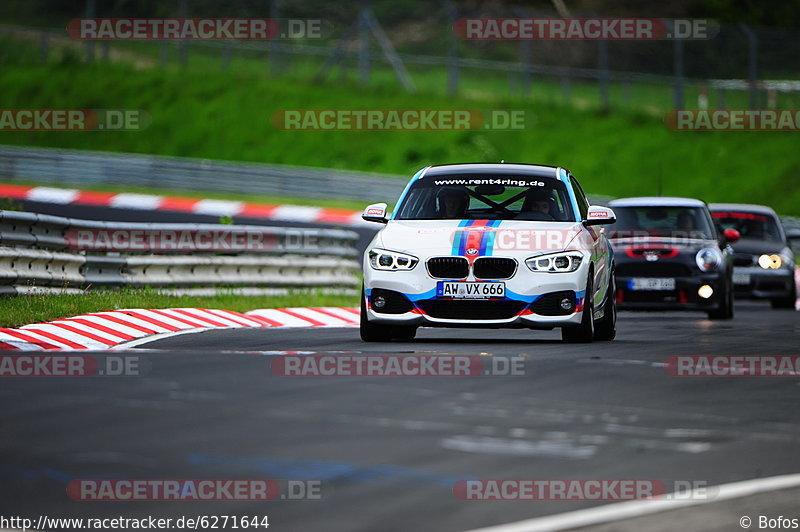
<point>550,304</point>
<point>743,259</point>
<point>471,310</point>
<point>494,268</point>
<point>653,269</point>
<point>394,302</point>
<point>448,267</point>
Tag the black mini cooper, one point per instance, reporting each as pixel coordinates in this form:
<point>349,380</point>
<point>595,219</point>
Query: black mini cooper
<point>669,254</point>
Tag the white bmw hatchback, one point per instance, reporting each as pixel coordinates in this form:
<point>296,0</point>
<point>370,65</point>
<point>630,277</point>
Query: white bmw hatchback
<point>490,246</point>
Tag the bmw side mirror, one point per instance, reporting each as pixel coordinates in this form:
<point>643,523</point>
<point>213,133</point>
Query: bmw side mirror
<point>599,216</point>
<point>376,213</point>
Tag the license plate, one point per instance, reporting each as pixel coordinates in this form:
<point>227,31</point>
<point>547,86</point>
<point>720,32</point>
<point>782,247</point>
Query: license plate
<point>651,283</point>
<point>741,278</point>
<point>470,290</point>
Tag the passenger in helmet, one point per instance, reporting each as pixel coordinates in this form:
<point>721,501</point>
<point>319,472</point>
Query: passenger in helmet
<point>536,205</point>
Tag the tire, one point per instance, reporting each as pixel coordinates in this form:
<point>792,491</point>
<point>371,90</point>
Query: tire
<point>583,333</point>
<point>725,311</point>
<point>404,332</point>
<point>606,329</point>
<point>372,332</point>
<point>785,302</point>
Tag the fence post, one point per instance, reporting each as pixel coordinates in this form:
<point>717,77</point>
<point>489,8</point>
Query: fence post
<point>452,49</point>
<point>90,13</point>
<point>677,47</point>
<point>44,47</point>
<point>225,58</point>
<point>363,45</point>
<point>566,83</point>
<point>752,63</point>
<point>274,53</point>
<point>183,10</point>
<point>602,63</point>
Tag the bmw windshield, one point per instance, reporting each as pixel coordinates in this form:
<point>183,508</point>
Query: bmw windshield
<point>487,197</point>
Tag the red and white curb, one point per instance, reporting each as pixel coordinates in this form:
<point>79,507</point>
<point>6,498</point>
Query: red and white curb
<point>107,330</point>
<point>211,207</point>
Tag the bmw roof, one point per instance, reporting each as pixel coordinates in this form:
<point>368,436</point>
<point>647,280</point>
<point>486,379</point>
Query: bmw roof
<point>742,207</point>
<point>493,168</point>
<point>656,201</point>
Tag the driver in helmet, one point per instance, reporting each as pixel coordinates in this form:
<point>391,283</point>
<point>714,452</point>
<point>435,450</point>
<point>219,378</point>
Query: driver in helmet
<point>453,203</point>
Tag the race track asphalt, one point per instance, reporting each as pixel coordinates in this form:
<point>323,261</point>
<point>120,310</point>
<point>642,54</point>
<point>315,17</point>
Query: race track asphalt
<point>387,451</point>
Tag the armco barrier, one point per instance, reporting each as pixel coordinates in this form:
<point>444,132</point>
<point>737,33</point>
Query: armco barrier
<point>41,252</point>
<point>65,167</point>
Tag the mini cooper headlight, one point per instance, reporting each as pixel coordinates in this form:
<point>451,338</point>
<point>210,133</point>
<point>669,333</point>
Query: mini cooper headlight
<point>555,262</point>
<point>773,262</point>
<point>382,259</point>
<point>708,259</point>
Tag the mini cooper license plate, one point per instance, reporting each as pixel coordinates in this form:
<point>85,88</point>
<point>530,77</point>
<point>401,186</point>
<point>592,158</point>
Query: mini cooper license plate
<point>741,278</point>
<point>470,290</point>
<point>651,283</point>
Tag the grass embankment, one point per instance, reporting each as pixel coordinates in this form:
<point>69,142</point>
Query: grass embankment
<point>16,311</point>
<point>210,113</point>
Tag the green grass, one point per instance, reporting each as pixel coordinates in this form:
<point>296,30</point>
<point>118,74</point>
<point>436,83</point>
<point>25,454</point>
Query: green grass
<point>202,111</point>
<point>16,311</point>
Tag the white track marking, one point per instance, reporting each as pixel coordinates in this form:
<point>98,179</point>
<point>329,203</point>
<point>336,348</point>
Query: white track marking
<point>629,509</point>
<point>218,207</point>
<point>145,202</point>
<point>53,195</point>
<point>296,213</point>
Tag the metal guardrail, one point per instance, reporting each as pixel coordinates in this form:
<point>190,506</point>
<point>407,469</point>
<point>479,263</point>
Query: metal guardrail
<point>48,253</point>
<point>87,168</point>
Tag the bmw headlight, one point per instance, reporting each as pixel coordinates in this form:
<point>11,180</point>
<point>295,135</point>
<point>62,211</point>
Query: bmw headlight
<point>382,259</point>
<point>708,259</point>
<point>555,262</point>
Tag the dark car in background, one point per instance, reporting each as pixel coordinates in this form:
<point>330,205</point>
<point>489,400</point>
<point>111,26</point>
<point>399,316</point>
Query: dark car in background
<point>670,255</point>
<point>763,262</point>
